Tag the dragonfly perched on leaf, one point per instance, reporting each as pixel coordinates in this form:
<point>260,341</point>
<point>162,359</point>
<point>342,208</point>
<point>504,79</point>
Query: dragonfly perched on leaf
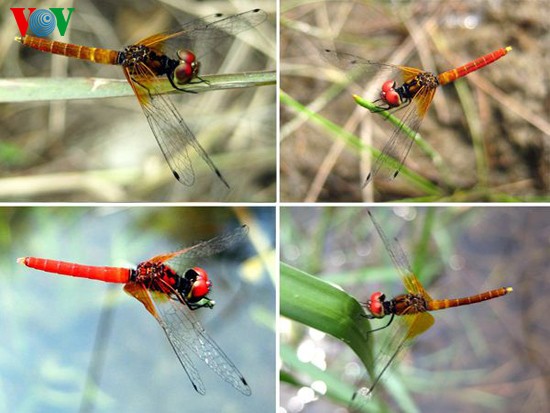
<point>408,314</point>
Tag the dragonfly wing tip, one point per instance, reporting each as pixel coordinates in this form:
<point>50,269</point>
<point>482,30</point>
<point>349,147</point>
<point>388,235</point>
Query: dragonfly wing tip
<point>367,180</point>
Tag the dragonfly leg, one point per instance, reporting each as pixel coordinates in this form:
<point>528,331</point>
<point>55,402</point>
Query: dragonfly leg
<point>170,77</point>
<point>390,109</point>
<point>142,85</point>
<point>197,80</point>
<point>380,108</point>
<point>201,80</point>
<point>379,328</point>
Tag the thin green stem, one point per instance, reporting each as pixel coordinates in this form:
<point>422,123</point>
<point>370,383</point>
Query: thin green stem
<point>353,141</point>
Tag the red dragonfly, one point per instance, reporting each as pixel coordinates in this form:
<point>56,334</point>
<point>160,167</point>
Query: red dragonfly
<point>170,55</point>
<point>169,286</point>
<point>417,87</point>
<point>413,308</point>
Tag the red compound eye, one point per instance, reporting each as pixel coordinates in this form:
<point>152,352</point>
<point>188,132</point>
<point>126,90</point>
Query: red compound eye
<point>188,67</point>
<point>375,305</point>
<point>389,95</point>
<point>201,285</point>
<point>186,56</point>
<point>184,72</point>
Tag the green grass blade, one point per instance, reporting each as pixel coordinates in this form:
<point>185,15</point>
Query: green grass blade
<point>355,143</point>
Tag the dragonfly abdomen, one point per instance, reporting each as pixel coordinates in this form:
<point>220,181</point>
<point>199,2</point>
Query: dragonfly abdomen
<point>451,75</point>
<point>94,54</point>
<point>456,302</point>
<point>107,274</point>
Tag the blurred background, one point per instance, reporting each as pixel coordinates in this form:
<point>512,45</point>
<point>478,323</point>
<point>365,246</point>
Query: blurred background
<point>73,344</point>
<point>489,132</point>
<point>490,356</point>
<point>103,149</point>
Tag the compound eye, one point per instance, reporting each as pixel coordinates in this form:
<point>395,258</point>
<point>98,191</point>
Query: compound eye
<point>200,286</point>
<point>188,66</point>
<point>392,98</point>
<point>185,72</point>
<point>389,95</point>
<point>200,289</point>
<point>191,274</point>
<point>375,305</point>
<point>186,56</point>
<point>196,273</point>
<point>388,85</point>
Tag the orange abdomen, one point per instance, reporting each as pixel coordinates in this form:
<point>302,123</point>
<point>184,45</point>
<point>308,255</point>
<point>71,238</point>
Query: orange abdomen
<point>93,54</point>
<point>451,75</point>
<point>107,274</point>
<point>455,302</point>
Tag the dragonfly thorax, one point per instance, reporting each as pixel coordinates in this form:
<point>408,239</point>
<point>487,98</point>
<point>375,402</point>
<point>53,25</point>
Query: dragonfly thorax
<point>193,286</point>
<point>156,276</point>
<point>424,80</point>
<point>395,96</point>
<point>136,55</point>
<point>403,304</point>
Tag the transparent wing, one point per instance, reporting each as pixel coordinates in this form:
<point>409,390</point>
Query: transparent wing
<point>171,132</point>
<point>399,144</point>
<point>402,330</point>
<point>142,294</point>
<point>205,34</point>
<point>356,66</point>
<point>400,261</point>
<point>186,335</point>
<point>183,259</point>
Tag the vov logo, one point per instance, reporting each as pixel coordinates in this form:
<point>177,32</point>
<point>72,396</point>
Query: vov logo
<point>42,22</point>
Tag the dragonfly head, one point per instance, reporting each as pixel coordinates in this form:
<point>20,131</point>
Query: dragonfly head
<point>187,68</point>
<point>200,284</point>
<point>375,305</point>
<point>389,94</point>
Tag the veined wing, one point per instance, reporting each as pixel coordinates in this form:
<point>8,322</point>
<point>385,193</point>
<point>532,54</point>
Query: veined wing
<point>144,296</point>
<point>400,261</point>
<point>186,335</point>
<point>399,144</point>
<point>171,132</point>
<point>208,32</point>
<point>181,260</point>
<point>402,330</point>
<point>355,66</point>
